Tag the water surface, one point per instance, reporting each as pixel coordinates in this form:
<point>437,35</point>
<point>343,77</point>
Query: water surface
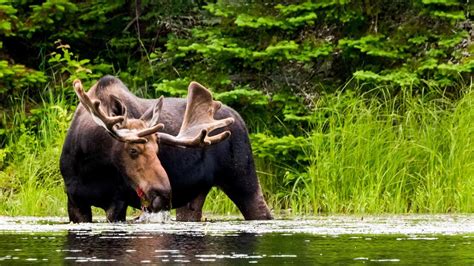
<point>442,239</point>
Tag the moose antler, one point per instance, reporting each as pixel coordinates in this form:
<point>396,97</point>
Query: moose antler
<point>199,120</point>
<point>111,123</point>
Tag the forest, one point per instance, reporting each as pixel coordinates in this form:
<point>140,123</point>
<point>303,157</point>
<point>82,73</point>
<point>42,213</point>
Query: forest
<point>353,106</point>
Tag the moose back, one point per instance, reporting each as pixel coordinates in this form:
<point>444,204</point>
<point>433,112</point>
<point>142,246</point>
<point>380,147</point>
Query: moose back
<point>122,150</point>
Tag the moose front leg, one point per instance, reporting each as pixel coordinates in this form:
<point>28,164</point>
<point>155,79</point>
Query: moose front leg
<point>79,213</point>
<point>117,212</point>
<point>192,211</point>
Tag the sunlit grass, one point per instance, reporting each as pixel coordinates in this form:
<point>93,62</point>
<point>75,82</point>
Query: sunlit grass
<point>217,202</point>
<point>31,183</point>
<point>372,156</point>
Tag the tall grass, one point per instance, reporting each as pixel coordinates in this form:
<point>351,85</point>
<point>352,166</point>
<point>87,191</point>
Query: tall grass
<point>31,184</point>
<point>401,155</point>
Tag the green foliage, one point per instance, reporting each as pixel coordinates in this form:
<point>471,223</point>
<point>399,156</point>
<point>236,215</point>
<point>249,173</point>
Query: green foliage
<point>173,88</point>
<point>247,100</point>
<point>445,9</point>
<point>7,18</point>
<point>67,67</point>
<point>374,45</point>
<point>15,77</point>
<point>46,16</point>
<point>400,77</point>
<point>286,34</point>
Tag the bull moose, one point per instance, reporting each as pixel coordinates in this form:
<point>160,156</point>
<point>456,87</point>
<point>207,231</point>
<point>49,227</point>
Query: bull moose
<point>122,150</point>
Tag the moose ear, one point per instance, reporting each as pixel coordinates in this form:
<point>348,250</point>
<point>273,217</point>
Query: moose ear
<point>117,106</point>
<point>152,115</point>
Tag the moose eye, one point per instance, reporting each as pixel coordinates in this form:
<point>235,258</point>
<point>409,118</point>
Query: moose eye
<point>133,152</point>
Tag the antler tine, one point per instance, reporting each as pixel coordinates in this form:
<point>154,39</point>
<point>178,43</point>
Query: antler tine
<point>218,138</point>
<point>199,120</point>
<point>109,122</point>
<point>150,130</point>
<point>99,116</point>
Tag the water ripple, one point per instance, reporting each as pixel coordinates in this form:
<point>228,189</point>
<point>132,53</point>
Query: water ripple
<point>320,225</point>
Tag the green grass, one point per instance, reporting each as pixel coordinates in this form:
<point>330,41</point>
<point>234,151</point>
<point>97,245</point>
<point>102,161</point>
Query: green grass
<point>408,155</point>
<point>217,202</point>
<point>405,154</point>
<point>31,183</point>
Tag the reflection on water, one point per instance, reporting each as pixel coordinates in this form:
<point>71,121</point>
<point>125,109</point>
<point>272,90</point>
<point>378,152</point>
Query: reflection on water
<point>139,248</point>
<point>273,242</point>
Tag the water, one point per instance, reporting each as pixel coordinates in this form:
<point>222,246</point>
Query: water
<point>441,239</point>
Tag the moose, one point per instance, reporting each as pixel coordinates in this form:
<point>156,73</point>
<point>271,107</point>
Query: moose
<point>156,154</point>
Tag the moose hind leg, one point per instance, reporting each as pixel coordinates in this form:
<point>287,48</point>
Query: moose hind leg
<point>238,179</point>
<point>192,211</point>
<point>79,213</point>
<point>251,203</point>
<point>249,198</point>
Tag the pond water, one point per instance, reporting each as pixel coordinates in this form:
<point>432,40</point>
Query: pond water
<point>426,239</point>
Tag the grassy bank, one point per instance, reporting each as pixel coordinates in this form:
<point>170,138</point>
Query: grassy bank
<point>30,180</point>
<point>404,154</point>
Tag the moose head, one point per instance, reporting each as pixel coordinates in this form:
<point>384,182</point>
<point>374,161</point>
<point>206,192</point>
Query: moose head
<point>136,145</point>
